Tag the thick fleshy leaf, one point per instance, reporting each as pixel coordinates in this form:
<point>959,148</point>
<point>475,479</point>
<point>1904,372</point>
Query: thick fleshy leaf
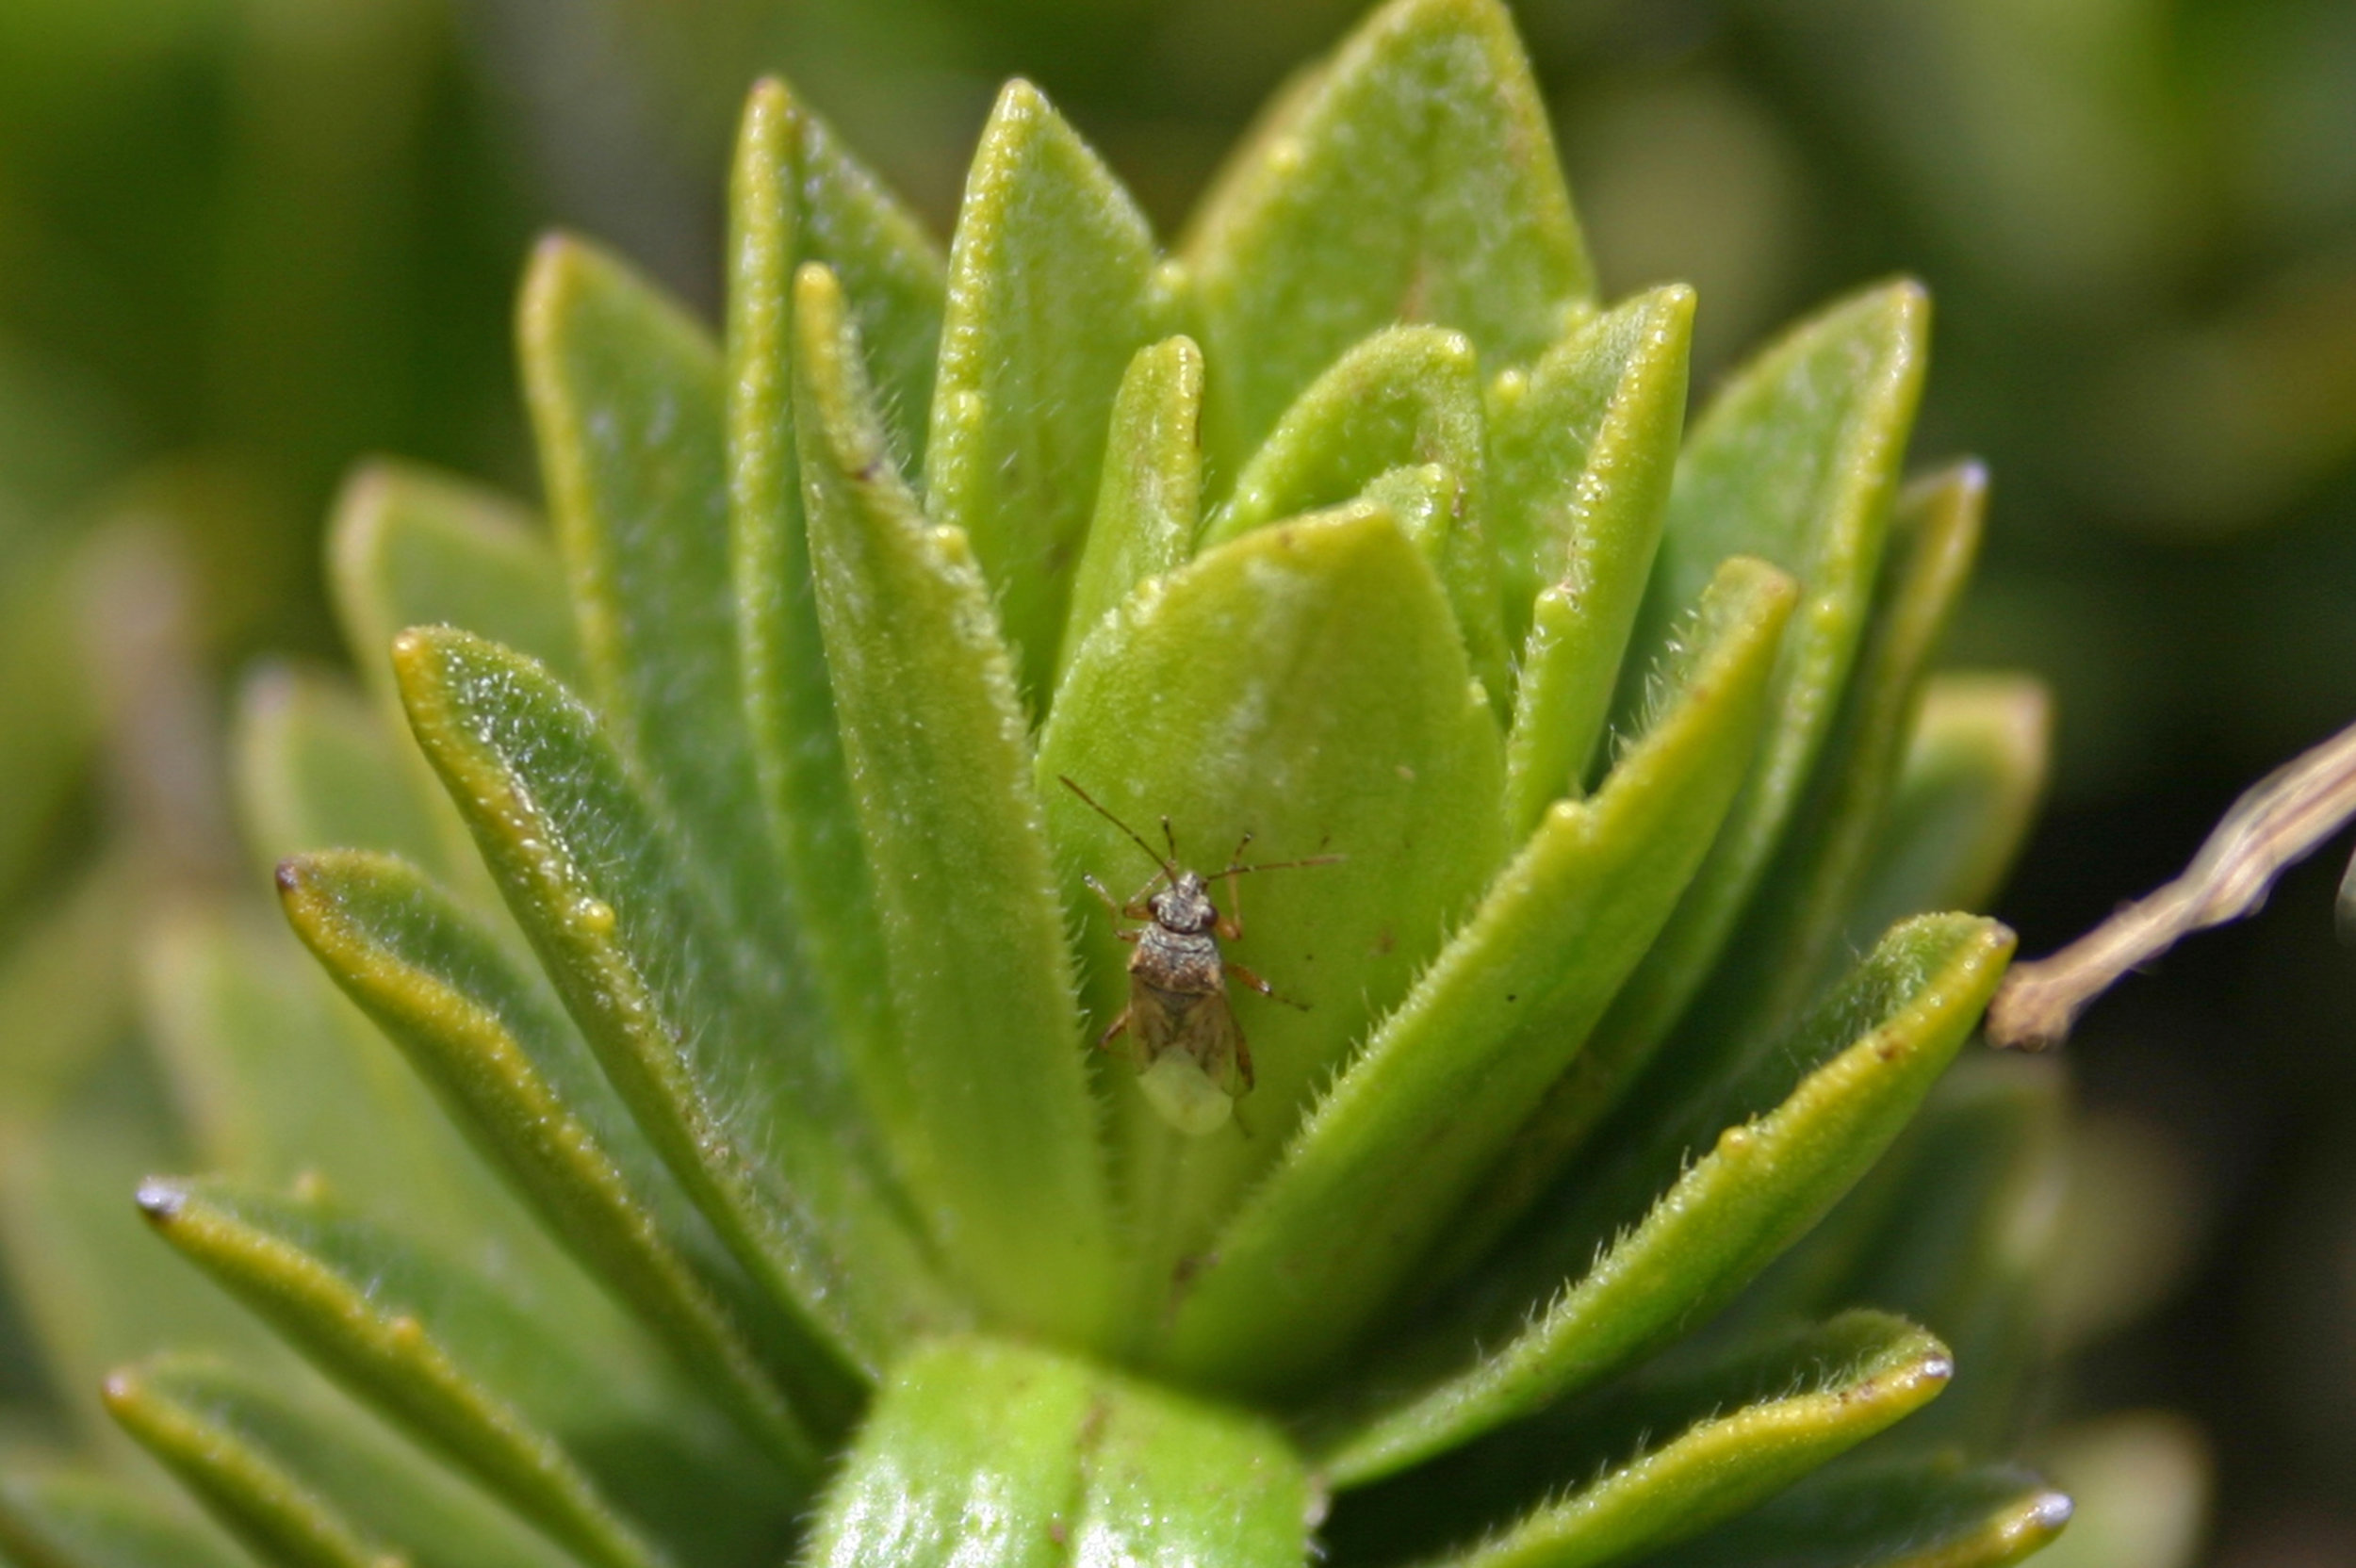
<point>702,1032</point>
<point>1922,1513</point>
<point>278,1079</point>
<point>1795,462</point>
<point>516,1076</point>
<point>983,1097</point>
<point>798,194</point>
<point>986,1455</point>
<point>1663,1458</point>
<point>1405,404</point>
<point>408,546</point>
<point>1967,793</point>
<point>794,195</point>
<point>2011,1102</point>
<point>1413,179</point>
<point>1789,1144</point>
<point>305,1484</point>
<point>627,403</point>
<point>1779,955</point>
<point>71,1520</point>
<point>1303,684</point>
<point>1581,449</point>
<point>1367,1185</point>
<point>1151,499</point>
<point>1406,396</point>
<point>527,1400</point>
<point>1053,285</point>
<point>316,767</point>
<point>1966,1235</point>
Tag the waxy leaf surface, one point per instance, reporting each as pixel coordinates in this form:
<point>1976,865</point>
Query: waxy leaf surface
<point>1581,449</point>
<point>429,1345</point>
<point>1414,179</point>
<point>1795,462</point>
<point>517,1077</point>
<point>307,1484</point>
<point>701,1031</point>
<point>1664,1456</point>
<point>1913,1513</point>
<point>627,403</point>
<point>1261,689</point>
<point>981,1455</point>
<point>1151,499</point>
<point>1965,797</point>
<point>1725,1207</point>
<point>1371,1179</point>
<point>982,1097</point>
<point>1052,288</point>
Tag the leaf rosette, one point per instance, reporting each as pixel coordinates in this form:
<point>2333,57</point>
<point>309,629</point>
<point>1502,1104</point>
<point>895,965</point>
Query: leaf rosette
<point>732,905</point>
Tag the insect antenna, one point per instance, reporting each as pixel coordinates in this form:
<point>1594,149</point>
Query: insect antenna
<point>1169,866</point>
<point>1282,865</point>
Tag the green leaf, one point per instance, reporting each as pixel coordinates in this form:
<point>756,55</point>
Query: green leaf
<point>798,194</point>
<point>1382,1164</point>
<point>1304,683</point>
<point>1915,1513</point>
<point>408,546</point>
<point>278,1080</point>
<point>1868,1054</point>
<point>69,1520</point>
<point>1399,421</point>
<point>427,1344</point>
<point>1051,287</point>
<point>1151,499</point>
<point>1795,462</point>
<point>983,1097</point>
<point>1780,953</point>
<point>1414,179</point>
<point>563,1414</point>
<point>990,1456</point>
<point>513,1072</point>
<point>1581,449</point>
<point>1965,797</point>
<point>794,195</point>
<point>627,403</point>
<point>1406,396</point>
<point>703,1033</point>
<point>305,1485</point>
<point>1965,1243</point>
<point>1670,1455</point>
<point>315,766</point>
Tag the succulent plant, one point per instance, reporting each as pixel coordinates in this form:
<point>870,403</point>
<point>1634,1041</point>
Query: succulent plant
<point>1548,1189</point>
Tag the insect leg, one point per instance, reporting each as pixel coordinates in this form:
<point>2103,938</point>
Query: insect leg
<point>1236,971</point>
<point>1113,1031</point>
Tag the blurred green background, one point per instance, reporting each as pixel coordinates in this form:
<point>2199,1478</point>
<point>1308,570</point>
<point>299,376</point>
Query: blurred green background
<point>244,242</point>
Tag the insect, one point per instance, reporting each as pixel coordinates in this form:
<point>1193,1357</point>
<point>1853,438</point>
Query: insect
<point>1189,1053</point>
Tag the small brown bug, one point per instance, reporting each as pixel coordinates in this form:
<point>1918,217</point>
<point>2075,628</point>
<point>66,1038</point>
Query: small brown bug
<point>1188,1051</point>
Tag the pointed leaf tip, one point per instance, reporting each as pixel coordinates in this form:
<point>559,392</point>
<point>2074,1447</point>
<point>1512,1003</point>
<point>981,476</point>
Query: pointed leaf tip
<point>1053,285</point>
<point>1415,179</point>
<point>980,1089</point>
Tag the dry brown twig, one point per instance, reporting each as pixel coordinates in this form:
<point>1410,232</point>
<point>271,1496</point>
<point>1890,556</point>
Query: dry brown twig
<point>2276,824</point>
